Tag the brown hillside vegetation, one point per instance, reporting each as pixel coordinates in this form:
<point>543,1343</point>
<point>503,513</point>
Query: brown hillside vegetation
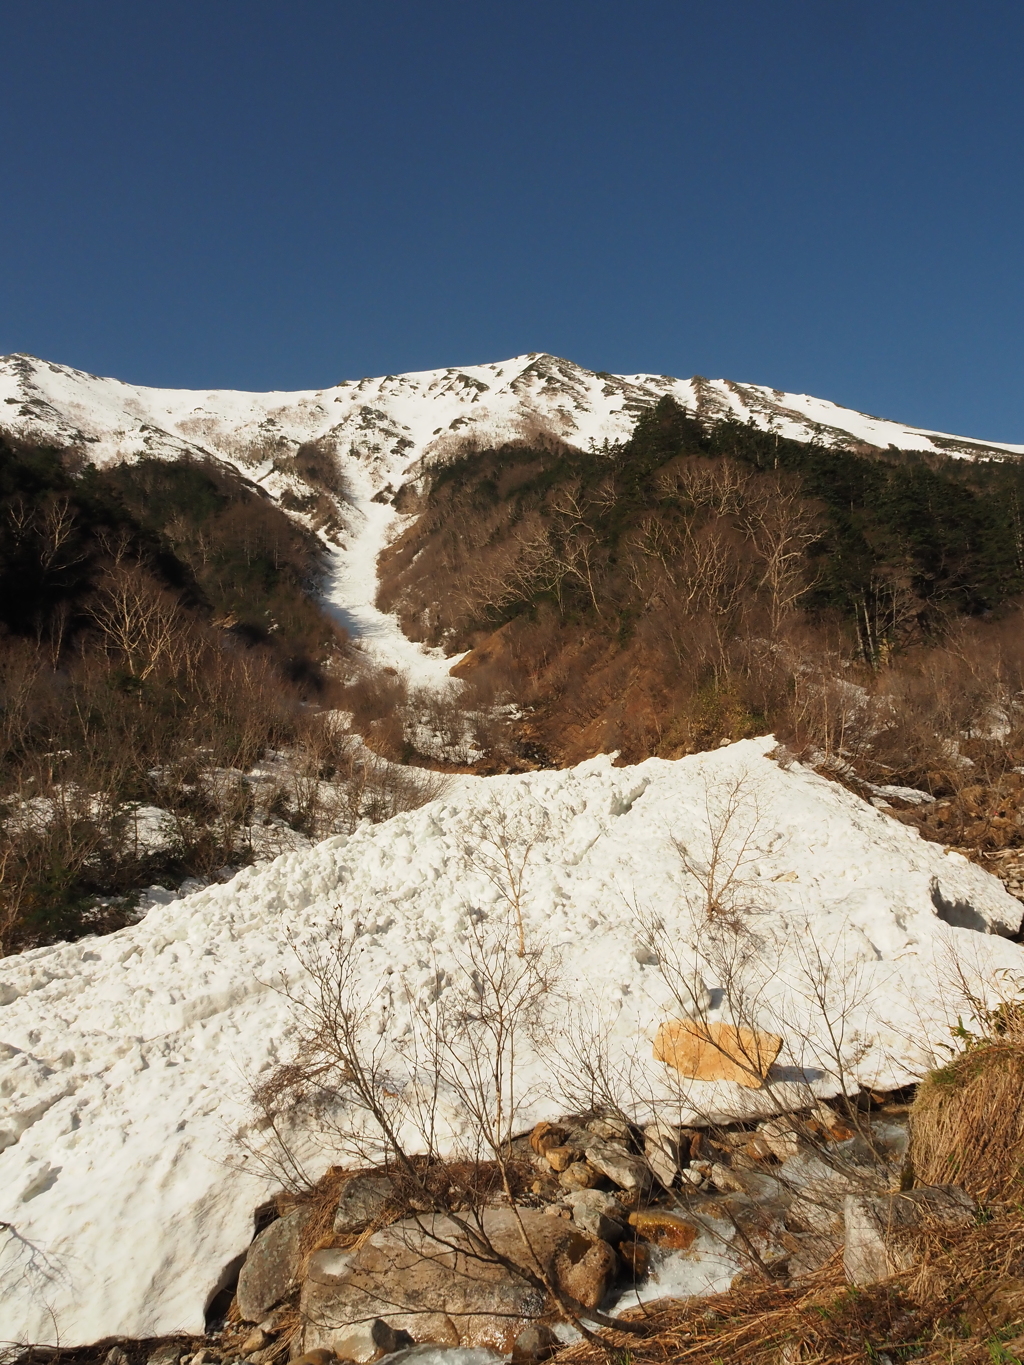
<point>697,586</point>
<point>159,635</point>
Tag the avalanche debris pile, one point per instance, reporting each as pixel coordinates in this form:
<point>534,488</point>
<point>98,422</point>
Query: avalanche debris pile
<point>723,886</point>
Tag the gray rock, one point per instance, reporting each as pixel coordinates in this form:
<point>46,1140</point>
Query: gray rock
<point>815,1189</point>
<point>168,1354</point>
<point>271,1268</point>
<point>663,1150</point>
<point>362,1199</point>
<point>535,1342</point>
<point>609,1130</point>
<point>599,1213</point>
<point>579,1176</point>
<point>418,1276</point>
<point>879,1230</point>
<point>115,1356</point>
<point>625,1169</point>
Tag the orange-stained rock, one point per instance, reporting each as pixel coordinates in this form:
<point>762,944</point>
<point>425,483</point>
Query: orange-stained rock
<point>561,1158</point>
<point>546,1136</point>
<point>664,1229</point>
<point>717,1052</point>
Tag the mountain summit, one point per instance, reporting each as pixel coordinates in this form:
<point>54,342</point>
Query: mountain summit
<point>386,423</point>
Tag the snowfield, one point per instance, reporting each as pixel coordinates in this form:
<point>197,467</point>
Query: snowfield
<point>127,1180</point>
<point>380,429</point>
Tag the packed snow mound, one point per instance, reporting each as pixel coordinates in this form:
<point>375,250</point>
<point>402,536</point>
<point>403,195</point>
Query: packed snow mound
<point>379,430</point>
<point>127,1180</point>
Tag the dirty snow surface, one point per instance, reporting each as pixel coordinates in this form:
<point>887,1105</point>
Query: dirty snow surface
<point>128,1177</point>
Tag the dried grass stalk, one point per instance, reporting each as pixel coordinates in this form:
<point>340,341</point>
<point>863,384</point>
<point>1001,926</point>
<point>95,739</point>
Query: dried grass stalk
<point>967,1122</point>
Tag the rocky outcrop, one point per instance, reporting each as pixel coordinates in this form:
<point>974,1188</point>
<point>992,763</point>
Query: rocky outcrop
<point>431,1278</point>
<point>271,1268</point>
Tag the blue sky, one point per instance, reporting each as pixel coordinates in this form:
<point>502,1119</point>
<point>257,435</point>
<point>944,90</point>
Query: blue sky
<point>814,194</point>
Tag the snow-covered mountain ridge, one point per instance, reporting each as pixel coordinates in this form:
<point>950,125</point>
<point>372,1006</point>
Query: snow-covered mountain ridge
<point>380,429</point>
<point>396,419</point>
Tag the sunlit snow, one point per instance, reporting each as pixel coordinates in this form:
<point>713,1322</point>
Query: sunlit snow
<point>127,1188</point>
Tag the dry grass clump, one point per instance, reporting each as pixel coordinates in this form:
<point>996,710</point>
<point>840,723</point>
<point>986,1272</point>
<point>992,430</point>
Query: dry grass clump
<point>820,1320</point>
<point>967,1122</point>
<point>962,1305</point>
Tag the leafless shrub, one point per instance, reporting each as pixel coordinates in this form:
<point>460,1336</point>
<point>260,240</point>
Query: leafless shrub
<point>379,1100</point>
<point>142,622</point>
<point>501,853</point>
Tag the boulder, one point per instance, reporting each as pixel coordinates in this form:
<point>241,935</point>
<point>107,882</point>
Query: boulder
<point>546,1136</point>
<point>535,1342</point>
<point>419,1275</point>
<point>561,1158</point>
<point>167,1354</point>
<point>880,1230</point>
<point>598,1213</point>
<point>627,1171</point>
<point>586,1278</point>
<point>717,1052</point>
<point>579,1176</point>
<point>361,1200</point>
<point>271,1268</point>
<point>609,1130</point>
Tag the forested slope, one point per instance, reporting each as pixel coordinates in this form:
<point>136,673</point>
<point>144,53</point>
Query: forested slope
<point>156,618</point>
<point>703,582</point>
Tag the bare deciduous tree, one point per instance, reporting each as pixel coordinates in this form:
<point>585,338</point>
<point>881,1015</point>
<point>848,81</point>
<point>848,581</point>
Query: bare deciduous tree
<point>139,620</point>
